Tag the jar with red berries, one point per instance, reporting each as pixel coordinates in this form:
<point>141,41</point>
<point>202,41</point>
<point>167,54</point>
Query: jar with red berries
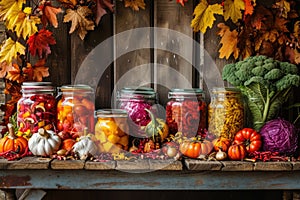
<point>36,108</point>
<point>75,110</point>
<point>186,112</point>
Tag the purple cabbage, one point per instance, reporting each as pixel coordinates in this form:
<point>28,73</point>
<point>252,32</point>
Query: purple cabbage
<point>279,135</point>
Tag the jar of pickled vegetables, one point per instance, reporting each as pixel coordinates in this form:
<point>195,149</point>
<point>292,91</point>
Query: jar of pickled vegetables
<point>186,112</point>
<point>225,112</point>
<point>75,110</point>
<point>111,130</point>
<point>36,108</point>
<point>135,101</point>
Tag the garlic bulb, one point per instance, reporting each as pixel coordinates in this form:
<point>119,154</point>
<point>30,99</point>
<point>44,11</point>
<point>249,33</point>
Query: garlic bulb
<point>85,147</point>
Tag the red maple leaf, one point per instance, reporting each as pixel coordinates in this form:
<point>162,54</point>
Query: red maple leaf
<point>182,2</point>
<point>39,43</point>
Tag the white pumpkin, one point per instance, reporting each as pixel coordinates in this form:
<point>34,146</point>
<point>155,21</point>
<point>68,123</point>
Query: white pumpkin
<point>44,142</point>
<point>85,147</point>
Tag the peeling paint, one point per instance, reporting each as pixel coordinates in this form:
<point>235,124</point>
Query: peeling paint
<point>11,180</point>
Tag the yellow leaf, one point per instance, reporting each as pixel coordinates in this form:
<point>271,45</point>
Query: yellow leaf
<point>204,16</point>
<point>26,25</point>
<point>10,51</point>
<point>135,4</point>
<point>229,40</point>
<point>79,20</point>
<point>233,9</point>
<point>284,7</point>
<point>9,12</point>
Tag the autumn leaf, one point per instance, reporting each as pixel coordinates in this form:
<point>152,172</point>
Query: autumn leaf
<point>49,14</point>
<point>39,43</point>
<point>262,18</point>
<point>280,24</point>
<point>182,2</point>
<point>297,30</point>
<point>69,3</point>
<point>4,68</point>
<point>135,4</point>
<point>36,72</point>
<point>249,7</point>
<point>26,24</point>
<point>79,20</point>
<point>9,11</point>
<point>10,50</point>
<point>204,16</point>
<point>283,6</point>
<point>15,74</point>
<point>233,9</point>
<point>229,40</point>
<point>102,5</point>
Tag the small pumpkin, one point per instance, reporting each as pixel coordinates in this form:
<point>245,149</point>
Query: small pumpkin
<point>67,144</point>
<point>44,142</point>
<point>156,128</point>
<point>85,146</point>
<point>195,148</point>
<point>237,151</point>
<point>223,143</point>
<point>11,142</point>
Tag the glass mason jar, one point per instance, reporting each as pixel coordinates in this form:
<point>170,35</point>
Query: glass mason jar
<point>134,101</point>
<point>111,130</point>
<point>75,109</point>
<point>36,108</point>
<point>186,112</point>
<point>226,112</point>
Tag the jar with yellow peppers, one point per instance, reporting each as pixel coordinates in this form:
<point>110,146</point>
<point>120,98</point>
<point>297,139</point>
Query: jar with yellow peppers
<point>36,108</point>
<point>225,112</point>
<point>111,130</point>
<point>75,110</point>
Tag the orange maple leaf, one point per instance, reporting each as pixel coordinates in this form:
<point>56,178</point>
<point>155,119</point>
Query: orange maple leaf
<point>40,71</point>
<point>4,68</point>
<point>249,7</point>
<point>135,4</point>
<point>229,40</point>
<point>15,74</point>
<point>49,14</point>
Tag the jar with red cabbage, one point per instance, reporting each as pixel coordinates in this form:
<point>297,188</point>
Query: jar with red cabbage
<point>135,101</point>
<point>36,108</point>
<point>75,110</point>
<point>186,112</point>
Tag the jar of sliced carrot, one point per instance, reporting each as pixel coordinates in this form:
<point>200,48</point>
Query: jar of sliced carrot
<point>186,111</point>
<point>225,112</point>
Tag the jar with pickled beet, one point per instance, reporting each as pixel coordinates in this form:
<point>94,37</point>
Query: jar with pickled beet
<point>111,130</point>
<point>36,108</point>
<point>225,112</point>
<point>75,110</point>
<point>186,112</point>
<point>135,101</point>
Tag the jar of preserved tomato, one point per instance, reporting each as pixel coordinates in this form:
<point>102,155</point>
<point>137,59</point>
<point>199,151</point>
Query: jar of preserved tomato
<point>135,101</point>
<point>36,108</point>
<point>186,111</point>
<point>225,112</point>
<point>75,110</point>
<point>111,130</point>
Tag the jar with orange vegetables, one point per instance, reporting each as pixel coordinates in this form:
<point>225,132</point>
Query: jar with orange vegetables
<point>36,108</point>
<point>75,110</point>
<point>111,130</point>
<point>186,111</point>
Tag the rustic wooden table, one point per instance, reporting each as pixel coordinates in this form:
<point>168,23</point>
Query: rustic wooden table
<point>33,173</point>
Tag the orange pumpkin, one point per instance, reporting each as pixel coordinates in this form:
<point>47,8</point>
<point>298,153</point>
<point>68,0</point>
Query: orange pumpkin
<point>193,149</point>
<point>221,142</point>
<point>67,144</point>
<point>11,142</point>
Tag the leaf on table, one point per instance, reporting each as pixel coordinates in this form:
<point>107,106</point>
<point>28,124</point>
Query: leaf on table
<point>10,50</point>
<point>50,14</point>
<point>79,20</point>
<point>102,5</point>
<point>182,2</point>
<point>233,10</point>
<point>39,43</point>
<point>26,24</point>
<point>229,41</point>
<point>135,4</point>
<point>284,7</point>
<point>249,7</point>
<point>204,16</point>
<point>15,74</point>
<point>9,11</point>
